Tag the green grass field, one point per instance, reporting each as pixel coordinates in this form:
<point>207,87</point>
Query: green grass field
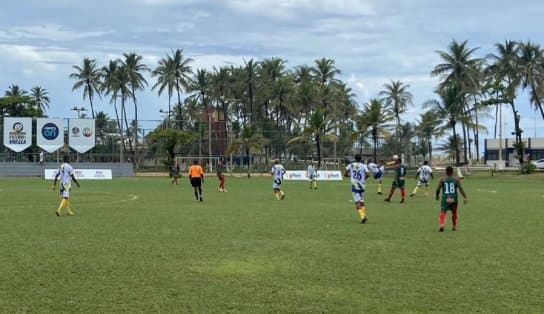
<point>143,245</point>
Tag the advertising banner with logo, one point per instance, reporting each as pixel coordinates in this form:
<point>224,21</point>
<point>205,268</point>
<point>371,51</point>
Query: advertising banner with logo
<point>17,133</point>
<point>322,175</point>
<point>50,134</point>
<point>81,134</point>
<point>82,174</point>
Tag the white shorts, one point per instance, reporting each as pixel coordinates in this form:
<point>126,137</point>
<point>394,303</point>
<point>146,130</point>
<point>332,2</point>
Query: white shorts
<point>65,191</point>
<point>276,185</point>
<point>420,182</point>
<point>358,196</point>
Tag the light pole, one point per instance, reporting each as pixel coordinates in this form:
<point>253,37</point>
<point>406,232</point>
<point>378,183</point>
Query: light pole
<point>78,109</point>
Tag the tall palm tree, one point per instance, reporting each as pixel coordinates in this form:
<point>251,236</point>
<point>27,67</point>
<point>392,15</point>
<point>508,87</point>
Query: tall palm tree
<point>428,127</point>
<point>87,76</point>
<point>450,109</point>
<point>250,76</point>
<point>40,97</point>
<point>325,72</point>
<point>250,140</point>
<point>373,119</point>
<point>181,69</point>
<point>165,80</point>
<point>15,91</point>
<point>397,97</point>
<point>112,86</point>
<point>505,68</point>
<point>459,69</point>
<point>134,67</point>
<point>531,67</point>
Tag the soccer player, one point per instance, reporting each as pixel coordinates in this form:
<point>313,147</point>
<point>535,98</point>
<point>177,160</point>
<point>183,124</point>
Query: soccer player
<point>277,172</point>
<point>174,173</point>
<point>196,177</point>
<point>377,172</point>
<point>358,173</point>
<point>424,175</point>
<point>312,175</point>
<point>449,186</point>
<point>398,181</point>
<point>66,174</point>
<point>220,175</point>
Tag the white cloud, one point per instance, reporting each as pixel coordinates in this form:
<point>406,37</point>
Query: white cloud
<point>53,32</point>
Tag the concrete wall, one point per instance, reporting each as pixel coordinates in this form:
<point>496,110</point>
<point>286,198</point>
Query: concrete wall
<point>24,169</point>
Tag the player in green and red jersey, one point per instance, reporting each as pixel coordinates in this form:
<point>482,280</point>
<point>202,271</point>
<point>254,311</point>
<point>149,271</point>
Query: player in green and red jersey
<point>398,182</point>
<point>449,186</point>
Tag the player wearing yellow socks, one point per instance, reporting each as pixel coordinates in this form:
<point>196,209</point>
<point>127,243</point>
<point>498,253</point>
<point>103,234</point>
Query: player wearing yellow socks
<point>277,171</point>
<point>358,173</point>
<point>66,174</point>
<point>424,175</point>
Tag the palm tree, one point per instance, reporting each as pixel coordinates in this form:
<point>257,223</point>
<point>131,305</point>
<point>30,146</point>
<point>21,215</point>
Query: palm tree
<point>531,67</point>
<point>15,91</point>
<point>250,139</point>
<point>165,80</point>
<point>318,128</point>
<point>459,69</point>
<point>40,98</point>
<point>134,67</point>
<point>324,72</point>
<point>375,117</point>
<point>88,77</point>
<point>505,68</point>
<point>250,76</point>
<point>397,97</point>
<point>111,86</point>
<point>181,69</point>
<point>429,127</point>
<point>449,108</point>
<point>451,147</point>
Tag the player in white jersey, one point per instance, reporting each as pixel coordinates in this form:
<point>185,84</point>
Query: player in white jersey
<point>277,172</point>
<point>312,175</point>
<point>358,173</point>
<point>377,173</point>
<point>66,174</point>
<point>424,175</point>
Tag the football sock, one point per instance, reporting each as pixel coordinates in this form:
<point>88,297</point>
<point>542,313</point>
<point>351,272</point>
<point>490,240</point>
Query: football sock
<point>427,191</point>
<point>277,195</point>
<point>196,195</point>
<point>415,190</point>
<point>61,205</point>
<point>379,187</point>
<point>70,212</point>
<point>362,212</point>
<point>441,218</point>
<point>402,192</point>
<point>391,193</point>
<point>454,217</point>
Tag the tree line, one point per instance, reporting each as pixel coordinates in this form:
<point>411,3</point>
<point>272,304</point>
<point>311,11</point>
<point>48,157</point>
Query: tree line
<point>301,111</point>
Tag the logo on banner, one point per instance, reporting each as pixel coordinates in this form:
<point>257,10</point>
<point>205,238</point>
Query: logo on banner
<point>87,132</point>
<point>50,131</point>
<point>75,131</point>
<point>17,135</point>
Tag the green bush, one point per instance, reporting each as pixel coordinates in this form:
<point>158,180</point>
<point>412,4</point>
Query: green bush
<point>527,168</point>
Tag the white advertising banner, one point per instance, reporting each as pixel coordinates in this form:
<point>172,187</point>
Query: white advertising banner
<point>82,174</point>
<point>323,175</point>
<point>81,134</point>
<point>17,133</point>
<point>50,134</point>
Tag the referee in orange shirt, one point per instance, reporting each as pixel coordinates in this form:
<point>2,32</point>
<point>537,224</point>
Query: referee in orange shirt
<point>196,176</point>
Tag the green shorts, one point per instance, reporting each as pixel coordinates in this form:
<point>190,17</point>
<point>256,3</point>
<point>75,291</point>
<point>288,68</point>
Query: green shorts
<point>397,184</point>
<point>445,206</point>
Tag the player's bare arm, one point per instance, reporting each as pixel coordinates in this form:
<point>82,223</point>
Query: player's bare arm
<point>75,180</point>
<point>462,191</point>
<point>439,188</point>
<point>55,181</point>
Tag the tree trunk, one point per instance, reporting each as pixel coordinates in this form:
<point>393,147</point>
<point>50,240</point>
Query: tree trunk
<point>118,122</point>
<point>457,153</point>
<point>465,155</point>
<point>318,147</point>
<point>135,161</point>
<point>92,107</point>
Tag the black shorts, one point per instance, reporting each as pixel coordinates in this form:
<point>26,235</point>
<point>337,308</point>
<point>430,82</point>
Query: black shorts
<point>196,182</point>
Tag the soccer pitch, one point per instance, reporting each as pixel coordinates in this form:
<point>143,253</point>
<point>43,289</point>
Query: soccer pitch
<point>143,245</point>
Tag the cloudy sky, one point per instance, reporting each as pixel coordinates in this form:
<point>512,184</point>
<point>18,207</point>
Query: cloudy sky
<point>372,41</point>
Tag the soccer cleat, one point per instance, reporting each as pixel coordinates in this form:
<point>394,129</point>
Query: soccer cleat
<point>380,193</point>
<point>70,213</point>
<point>282,197</point>
<point>412,195</point>
<point>453,228</point>
<point>387,200</point>
<point>364,220</point>
<point>201,199</point>
<point>402,201</point>
<point>441,228</point>
<point>58,214</point>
